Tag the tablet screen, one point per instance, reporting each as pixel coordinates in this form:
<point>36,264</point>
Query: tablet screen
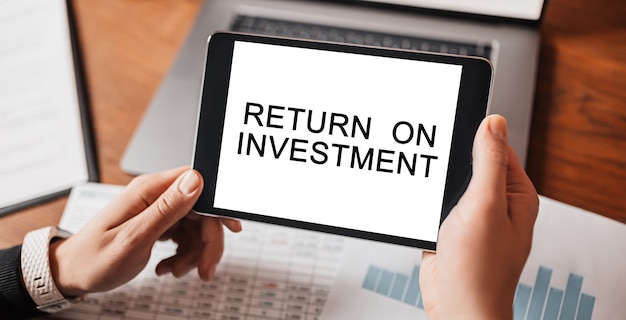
<point>334,138</point>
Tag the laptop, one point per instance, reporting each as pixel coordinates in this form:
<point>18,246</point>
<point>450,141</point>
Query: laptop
<point>505,32</point>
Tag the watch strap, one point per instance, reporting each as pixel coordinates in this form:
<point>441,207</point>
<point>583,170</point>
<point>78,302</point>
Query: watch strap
<point>36,273</point>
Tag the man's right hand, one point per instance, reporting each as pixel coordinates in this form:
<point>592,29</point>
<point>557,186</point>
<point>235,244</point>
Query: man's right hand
<point>484,243</point>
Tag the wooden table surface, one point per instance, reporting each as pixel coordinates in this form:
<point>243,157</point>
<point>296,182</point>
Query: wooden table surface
<point>577,152</point>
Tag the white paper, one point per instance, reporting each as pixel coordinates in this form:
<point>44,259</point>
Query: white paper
<point>569,240</point>
<point>41,141</point>
<point>350,300</point>
<point>568,243</point>
<point>267,272</point>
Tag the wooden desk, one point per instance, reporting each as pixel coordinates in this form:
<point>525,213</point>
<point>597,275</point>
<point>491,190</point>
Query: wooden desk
<point>578,141</point>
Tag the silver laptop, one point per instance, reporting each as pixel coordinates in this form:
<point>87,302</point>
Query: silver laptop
<point>505,32</point>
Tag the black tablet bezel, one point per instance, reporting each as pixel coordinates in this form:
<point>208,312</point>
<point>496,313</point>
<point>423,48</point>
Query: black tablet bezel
<point>471,109</point>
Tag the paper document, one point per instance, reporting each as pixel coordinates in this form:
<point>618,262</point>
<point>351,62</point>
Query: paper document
<point>267,272</point>
<point>41,138</point>
<point>575,271</point>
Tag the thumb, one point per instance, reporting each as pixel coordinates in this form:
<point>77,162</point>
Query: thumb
<point>490,156</point>
<point>171,206</point>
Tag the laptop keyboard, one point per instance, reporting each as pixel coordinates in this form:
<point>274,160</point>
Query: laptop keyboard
<point>274,27</point>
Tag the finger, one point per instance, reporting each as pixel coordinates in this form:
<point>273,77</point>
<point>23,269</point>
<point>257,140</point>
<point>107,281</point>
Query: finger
<point>427,264</point>
<point>207,275</point>
<point>186,261</point>
<point>232,224</point>
<point>165,266</point>
<point>213,237</point>
<point>171,206</point>
<point>188,238</point>
<point>140,193</point>
<point>517,179</point>
<point>177,265</point>
<point>206,267</point>
<point>490,158</point>
<point>427,255</point>
<point>190,246</point>
<point>169,233</point>
<point>523,199</point>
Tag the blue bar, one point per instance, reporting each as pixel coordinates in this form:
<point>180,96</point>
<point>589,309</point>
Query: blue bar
<point>413,290</point>
<point>371,278</point>
<point>520,304</point>
<point>385,282</point>
<point>419,293</point>
<point>585,308</point>
<point>570,300</point>
<point>554,304</point>
<point>540,292</point>
<point>399,285</point>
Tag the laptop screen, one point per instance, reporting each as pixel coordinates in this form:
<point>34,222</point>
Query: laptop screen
<point>516,9</point>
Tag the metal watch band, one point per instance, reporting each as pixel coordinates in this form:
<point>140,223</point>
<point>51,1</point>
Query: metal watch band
<point>36,270</point>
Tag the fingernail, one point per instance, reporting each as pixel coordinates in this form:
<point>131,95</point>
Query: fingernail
<point>189,183</point>
<point>497,126</point>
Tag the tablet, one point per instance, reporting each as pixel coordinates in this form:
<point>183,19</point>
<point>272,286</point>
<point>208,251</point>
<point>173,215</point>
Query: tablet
<point>359,141</point>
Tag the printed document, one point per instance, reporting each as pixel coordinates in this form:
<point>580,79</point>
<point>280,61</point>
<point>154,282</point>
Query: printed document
<point>41,140</point>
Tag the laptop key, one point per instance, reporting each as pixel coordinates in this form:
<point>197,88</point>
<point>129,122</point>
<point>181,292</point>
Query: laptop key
<point>275,27</point>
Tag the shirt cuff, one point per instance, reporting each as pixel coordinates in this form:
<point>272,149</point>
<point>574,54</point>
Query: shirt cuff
<point>15,302</point>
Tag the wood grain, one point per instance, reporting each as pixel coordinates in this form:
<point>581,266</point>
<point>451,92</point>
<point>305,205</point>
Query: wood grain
<point>577,152</point>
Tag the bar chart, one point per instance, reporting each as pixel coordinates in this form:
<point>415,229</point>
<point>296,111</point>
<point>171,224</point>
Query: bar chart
<point>542,301</point>
<point>538,302</point>
<point>398,286</point>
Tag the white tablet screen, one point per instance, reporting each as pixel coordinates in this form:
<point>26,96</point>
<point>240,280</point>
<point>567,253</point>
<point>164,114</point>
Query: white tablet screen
<point>341,139</point>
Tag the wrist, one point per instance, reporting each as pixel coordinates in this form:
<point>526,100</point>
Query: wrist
<point>36,270</point>
<point>61,271</point>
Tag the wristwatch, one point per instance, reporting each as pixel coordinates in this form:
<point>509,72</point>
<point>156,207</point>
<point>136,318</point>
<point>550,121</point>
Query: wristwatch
<point>35,260</point>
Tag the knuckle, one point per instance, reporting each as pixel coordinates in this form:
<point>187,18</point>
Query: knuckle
<point>139,188</point>
<point>166,204</point>
<point>497,156</point>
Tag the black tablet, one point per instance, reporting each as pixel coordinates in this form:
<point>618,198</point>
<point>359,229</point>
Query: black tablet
<point>359,141</point>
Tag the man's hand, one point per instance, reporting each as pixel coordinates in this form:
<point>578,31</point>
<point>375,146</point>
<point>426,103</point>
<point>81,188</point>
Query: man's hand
<point>116,244</point>
<point>485,241</point>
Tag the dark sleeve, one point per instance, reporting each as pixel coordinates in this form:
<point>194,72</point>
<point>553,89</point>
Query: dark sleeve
<point>15,302</point>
